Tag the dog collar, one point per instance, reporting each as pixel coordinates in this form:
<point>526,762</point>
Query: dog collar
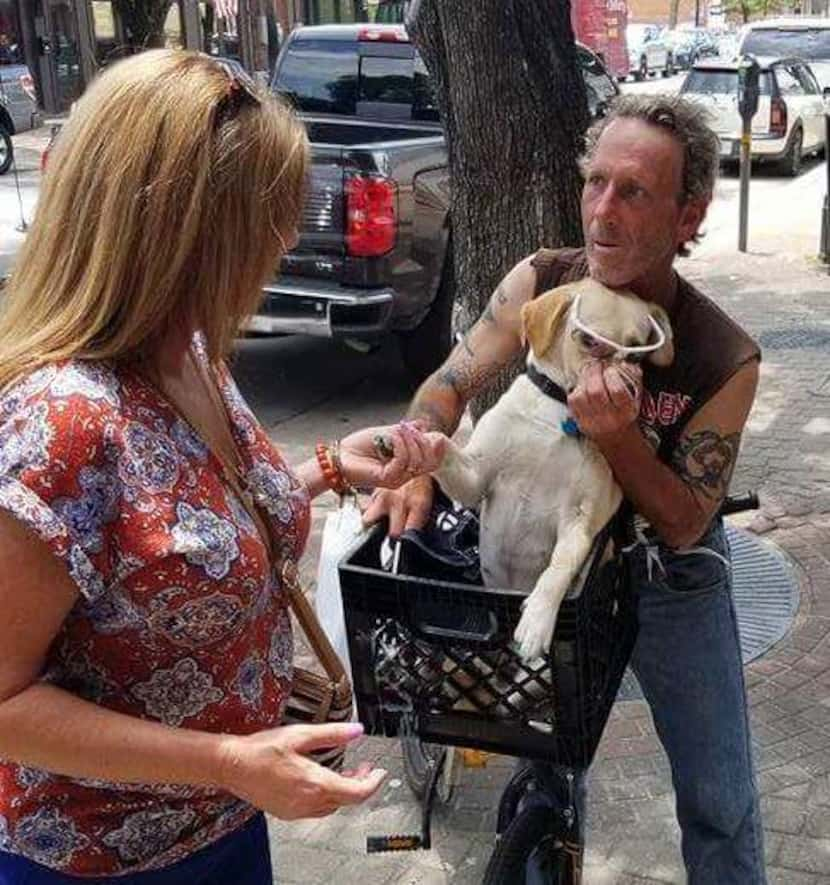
<point>554,391</point>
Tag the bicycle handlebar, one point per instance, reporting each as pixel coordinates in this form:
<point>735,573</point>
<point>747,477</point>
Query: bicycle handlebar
<point>739,503</point>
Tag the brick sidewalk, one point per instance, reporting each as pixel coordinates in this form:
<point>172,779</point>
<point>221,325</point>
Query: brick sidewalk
<point>632,834</point>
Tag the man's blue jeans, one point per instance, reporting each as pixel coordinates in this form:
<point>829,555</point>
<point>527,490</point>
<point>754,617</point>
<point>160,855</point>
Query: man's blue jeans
<point>688,662</point>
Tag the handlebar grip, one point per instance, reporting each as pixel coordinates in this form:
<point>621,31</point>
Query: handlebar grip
<point>739,503</point>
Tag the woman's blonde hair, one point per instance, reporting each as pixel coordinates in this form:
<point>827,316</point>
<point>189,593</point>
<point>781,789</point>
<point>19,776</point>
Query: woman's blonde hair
<point>169,197</point>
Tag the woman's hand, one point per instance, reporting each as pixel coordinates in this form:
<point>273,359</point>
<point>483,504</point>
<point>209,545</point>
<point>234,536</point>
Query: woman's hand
<point>390,456</point>
<point>270,770</point>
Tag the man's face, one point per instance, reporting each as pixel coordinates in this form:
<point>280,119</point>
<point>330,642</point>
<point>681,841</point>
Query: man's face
<point>632,219</point>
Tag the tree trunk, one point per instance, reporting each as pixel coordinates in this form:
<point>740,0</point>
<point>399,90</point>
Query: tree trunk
<point>513,105</point>
<point>143,22</point>
<point>673,12</point>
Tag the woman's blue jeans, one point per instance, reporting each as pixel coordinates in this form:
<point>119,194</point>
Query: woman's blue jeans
<point>240,858</point>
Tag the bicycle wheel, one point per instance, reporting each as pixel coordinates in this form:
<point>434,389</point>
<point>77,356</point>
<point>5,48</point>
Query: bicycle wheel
<point>531,852</point>
<point>514,793</point>
<point>418,758</point>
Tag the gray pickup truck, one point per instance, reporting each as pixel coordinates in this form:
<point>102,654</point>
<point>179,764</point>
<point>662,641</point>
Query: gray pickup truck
<point>374,254</point>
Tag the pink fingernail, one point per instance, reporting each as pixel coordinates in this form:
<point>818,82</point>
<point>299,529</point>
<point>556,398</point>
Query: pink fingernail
<point>355,730</point>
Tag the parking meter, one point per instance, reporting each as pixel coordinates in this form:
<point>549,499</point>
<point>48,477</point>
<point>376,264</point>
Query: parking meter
<point>749,81</point>
<point>749,77</point>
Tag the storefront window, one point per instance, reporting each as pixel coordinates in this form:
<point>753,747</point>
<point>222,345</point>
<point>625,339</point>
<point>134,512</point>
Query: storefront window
<point>220,31</point>
<point>174,27</point>
<point>108,46</point>
<point>11,49</point>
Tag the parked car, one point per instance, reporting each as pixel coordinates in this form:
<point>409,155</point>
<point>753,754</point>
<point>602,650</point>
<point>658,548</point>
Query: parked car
<point>702,42</point>
<point>728,45</point>
<point>804,37</point>
<point>647,51</point>
<point>374,251</point>
<point>18,104</point>
<point>681,48</point>
<point>789,123</point>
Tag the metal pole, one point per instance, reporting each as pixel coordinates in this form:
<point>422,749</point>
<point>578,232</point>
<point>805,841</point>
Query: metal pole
<point>746,142</point>
<point>824,245</point>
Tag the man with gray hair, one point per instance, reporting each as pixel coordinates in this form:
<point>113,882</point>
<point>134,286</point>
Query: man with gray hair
<point>650,168</point>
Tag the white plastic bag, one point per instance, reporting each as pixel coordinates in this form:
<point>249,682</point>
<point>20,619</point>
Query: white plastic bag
<point>339,532</point>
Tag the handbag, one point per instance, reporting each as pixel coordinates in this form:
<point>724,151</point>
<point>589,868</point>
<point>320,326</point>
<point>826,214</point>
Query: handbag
<point>316,697</point>
<point>342,528</point>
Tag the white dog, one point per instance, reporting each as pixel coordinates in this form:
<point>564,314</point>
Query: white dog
<point>546,491</point>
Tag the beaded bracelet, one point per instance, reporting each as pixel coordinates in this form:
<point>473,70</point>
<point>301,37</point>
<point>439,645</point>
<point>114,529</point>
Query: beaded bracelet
<point>332,468</point>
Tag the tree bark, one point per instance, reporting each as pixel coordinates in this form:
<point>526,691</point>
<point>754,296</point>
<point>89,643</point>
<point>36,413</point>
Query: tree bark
<point>513,105</point>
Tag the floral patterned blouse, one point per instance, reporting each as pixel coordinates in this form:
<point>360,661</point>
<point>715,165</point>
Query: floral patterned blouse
<point>178,619</point>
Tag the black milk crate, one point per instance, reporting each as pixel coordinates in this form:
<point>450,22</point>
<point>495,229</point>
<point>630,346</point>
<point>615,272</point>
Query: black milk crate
<point>436,657</point>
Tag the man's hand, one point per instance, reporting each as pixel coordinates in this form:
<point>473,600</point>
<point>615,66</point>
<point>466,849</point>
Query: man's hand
<point>407,507</point>
<point>607,399</point>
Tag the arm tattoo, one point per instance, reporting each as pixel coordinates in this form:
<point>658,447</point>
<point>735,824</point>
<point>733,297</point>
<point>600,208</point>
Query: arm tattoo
<point>500,295</point>
<point>466,342</point>
<point>705,461</point>
<point>467,379</point>
<point>488,316</point>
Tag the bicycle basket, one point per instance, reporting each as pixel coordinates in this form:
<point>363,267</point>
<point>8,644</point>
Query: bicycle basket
<point>435,655</point>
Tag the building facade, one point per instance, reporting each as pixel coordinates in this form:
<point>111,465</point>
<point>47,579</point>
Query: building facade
<point>65,42</point>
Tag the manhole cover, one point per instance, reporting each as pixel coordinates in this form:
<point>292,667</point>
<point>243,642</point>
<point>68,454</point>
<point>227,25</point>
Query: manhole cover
<point>766,600</point>
<point>796,338</point>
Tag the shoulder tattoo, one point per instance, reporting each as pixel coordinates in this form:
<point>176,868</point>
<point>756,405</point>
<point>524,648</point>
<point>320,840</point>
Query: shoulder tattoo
<point>705,461</point>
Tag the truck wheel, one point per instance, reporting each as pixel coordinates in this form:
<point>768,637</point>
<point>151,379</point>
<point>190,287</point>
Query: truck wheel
<point>426,346</point>
<point>668,70</point>
<point>6,150</point>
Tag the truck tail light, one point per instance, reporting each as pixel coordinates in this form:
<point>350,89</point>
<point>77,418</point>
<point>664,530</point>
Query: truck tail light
<point>778,117</point>
<point>393,34</point>
<point>371,215</point>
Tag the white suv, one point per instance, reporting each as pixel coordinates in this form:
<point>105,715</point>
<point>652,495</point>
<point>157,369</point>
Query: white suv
<point>647,51</point>
<point>805,37</point>
<point>789,122</point>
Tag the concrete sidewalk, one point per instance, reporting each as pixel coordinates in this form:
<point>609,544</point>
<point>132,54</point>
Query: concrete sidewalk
<point>780,295</point>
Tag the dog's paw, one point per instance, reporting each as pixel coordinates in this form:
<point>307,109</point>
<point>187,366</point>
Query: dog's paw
<point>534,632</point>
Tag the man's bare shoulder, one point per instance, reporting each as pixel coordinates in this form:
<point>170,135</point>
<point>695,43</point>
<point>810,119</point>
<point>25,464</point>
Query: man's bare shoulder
<point>516,289</point>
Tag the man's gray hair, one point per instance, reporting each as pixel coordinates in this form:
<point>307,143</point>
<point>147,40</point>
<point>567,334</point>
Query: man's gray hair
<point>686,122</point>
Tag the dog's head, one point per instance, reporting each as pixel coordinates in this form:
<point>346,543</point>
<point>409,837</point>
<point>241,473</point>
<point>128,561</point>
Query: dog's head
<point>563,341</point>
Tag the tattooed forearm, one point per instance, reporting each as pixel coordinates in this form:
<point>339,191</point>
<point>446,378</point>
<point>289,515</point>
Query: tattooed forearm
<point>466,379</point>
<point>465,340</point>
<point>433,415</point>
<point>705,461</point>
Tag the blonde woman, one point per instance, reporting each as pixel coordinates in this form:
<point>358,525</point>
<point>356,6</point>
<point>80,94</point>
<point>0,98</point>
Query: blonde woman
<point>145,518</point>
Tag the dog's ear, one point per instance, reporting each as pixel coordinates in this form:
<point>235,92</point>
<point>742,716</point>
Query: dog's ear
<point>665,355</point>
<point>542,318</point>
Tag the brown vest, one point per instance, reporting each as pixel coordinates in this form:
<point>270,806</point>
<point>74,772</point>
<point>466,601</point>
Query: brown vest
<point>709,348</point>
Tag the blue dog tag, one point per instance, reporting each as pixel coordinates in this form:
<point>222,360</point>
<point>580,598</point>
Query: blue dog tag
<point>570,427</point>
